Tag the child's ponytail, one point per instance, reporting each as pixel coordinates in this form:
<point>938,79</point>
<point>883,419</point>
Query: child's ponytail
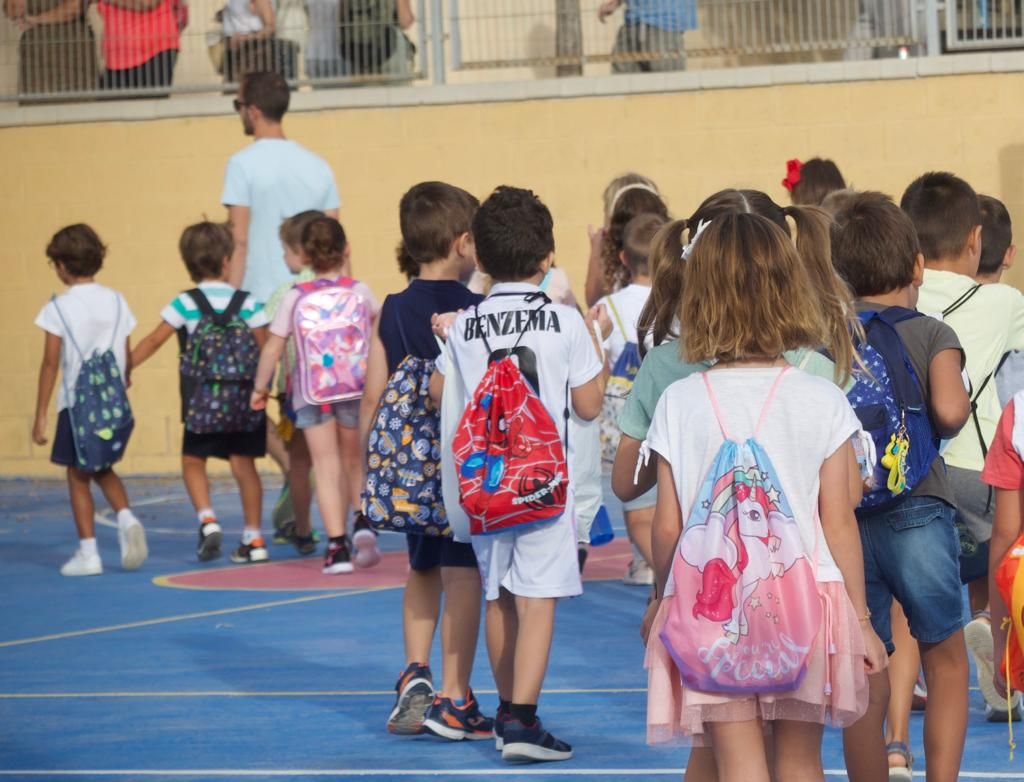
<point>814,245</point>
<point>633,200</point>
<point>323,243</point>
<point>665,264</point>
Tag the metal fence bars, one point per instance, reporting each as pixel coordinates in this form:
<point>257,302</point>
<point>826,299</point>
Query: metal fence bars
<point>983,24</point>
<point>64,49</point>
<point>642,35</point>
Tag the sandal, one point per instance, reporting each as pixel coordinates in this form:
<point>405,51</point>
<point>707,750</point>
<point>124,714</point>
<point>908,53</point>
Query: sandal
<point>900,773</point>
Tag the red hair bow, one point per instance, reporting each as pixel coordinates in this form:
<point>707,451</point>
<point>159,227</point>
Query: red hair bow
<point>792,174</point>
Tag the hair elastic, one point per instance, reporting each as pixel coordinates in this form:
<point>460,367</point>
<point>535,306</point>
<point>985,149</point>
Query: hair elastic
<point>626,189</point>
<point>688,249</point>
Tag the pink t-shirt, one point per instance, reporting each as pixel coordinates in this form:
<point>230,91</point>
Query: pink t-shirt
<point>130,38</point>
<point>1004,469</point>
<point>281,325</point>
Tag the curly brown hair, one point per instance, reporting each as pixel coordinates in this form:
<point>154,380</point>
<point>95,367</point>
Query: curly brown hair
<point>632,201</point>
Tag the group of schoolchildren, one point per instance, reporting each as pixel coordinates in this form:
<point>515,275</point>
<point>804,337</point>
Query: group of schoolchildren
<point>799,408</point>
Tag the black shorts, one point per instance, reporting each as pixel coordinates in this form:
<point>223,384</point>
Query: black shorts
<point>427,553</point>
<point>223,445</point>
<point>63,452</point>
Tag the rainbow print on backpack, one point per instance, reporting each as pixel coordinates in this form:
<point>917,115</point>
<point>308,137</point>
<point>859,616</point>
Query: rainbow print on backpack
<point>332,325</point>
<point>746,611</point>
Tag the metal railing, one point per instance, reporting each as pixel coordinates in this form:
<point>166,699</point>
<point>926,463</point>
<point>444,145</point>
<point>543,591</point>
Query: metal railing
<point>983,24</point>
<point>95,49</point>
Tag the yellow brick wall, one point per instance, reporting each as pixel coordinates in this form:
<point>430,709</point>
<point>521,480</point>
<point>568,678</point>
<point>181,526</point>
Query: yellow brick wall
<point>139,183</point>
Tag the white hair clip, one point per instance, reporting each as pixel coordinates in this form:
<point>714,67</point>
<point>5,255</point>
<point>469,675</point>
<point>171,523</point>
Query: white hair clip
<point>626,188</point>
<point>688,249</point>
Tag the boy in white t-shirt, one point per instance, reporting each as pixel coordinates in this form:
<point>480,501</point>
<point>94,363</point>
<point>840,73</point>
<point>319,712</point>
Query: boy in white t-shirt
<point>524,570</point>
<point>92,318</point>
<point>205,249</point>
<point>624,307</point>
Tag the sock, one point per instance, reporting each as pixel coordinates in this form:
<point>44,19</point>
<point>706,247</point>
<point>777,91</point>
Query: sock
<point>88,547</point>
<point>526,713</point>
<point>125,516</point>
<point>338,540</point>
<point>460,703</point>
<point>206,514</point>
<point>504,706</point>
<point>249,534</point>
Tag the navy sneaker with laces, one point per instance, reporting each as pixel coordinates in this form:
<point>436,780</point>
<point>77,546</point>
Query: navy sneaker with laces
<point>455,723</point>
<point>531,743</point>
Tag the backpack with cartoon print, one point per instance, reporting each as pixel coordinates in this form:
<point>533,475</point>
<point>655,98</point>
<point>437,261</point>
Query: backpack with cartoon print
<point>620,383</point>
<point>746,611</point>
<point>403,460</point>
<point>509,455</point>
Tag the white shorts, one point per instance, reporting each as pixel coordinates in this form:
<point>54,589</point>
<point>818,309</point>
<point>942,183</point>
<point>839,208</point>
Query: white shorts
<point>535,561</point>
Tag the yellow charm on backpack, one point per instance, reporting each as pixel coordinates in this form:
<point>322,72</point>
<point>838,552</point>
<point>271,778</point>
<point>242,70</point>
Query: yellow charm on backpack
<point>895,460</point>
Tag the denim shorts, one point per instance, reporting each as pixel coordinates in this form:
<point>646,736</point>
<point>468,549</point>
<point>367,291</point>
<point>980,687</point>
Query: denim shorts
<point>344,413</point>
<point>911,552</point>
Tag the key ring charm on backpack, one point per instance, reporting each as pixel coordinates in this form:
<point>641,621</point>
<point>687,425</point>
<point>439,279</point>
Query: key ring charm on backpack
<point>895,459</point>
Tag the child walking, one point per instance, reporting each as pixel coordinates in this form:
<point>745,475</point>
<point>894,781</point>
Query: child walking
<point>780,515</point>
<point>220,332</point>
<point>330,320</point>
<point>87,324</point>
<point>436,253</point>
<point>525,569</point>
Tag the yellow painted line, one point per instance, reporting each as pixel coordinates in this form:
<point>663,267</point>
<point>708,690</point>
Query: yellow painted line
<point>15,696</point>
<point>185,617</point>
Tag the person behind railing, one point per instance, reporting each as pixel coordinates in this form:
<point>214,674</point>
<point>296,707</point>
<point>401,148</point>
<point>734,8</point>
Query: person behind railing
<point>372,38</point>
<point>140,42</point>
<point>56,50</point>
<point>251,42</point>
<point>651,36</point>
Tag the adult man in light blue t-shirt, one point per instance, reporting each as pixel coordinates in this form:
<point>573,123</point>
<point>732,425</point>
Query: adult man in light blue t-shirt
<point>654,28</point>
<point>271,179</point>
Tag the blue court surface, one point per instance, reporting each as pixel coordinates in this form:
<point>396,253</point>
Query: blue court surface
<point>154,675</point>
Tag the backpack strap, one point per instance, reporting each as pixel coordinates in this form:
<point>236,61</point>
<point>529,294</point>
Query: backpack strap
<point>964,298</point>
<point>764,408</point>
<point>206,309</point>
<point>527,297</point>
<point>67,330</point>
<point>908,391</point>
<point>618,319</point>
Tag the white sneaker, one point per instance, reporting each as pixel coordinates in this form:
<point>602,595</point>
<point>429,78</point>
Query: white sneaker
<point>132,537</point>
<point>82,565</point>
<point>638,573</point>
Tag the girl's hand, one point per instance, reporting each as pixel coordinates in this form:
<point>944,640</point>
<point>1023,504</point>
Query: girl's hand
<point>258,400</point>
<point>599,314</point>
<point>39,430</point>
<point>648,620</point>
<point>875,657</point>
<point>596,236</point>
<point>440,323</point>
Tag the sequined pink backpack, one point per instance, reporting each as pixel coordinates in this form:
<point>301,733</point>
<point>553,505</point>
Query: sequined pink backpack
<point>332,324</point>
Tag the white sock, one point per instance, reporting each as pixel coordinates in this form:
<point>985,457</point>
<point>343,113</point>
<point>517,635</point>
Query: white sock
<point>206,514</point>
<point>88,547</point>
<point>125,516</point>
<point>249,534</point>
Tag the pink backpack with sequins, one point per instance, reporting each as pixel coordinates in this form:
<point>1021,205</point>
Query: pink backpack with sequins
<point>332,324</point>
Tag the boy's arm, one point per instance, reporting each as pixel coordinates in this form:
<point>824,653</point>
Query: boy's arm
<point>270,355</point>
<point>588,398</point>
<point>150,344</point>
<point>665,531</point>
<point>947,398</point>
<point>626,458</point>
<point>1006,527</point>
<point>437,387</point>
<point>48,369</point>
<point>238,218</point>
<point>376,381</point>
<point>260,335</point>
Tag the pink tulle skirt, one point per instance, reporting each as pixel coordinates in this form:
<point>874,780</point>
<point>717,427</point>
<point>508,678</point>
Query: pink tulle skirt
<point>833,692</point>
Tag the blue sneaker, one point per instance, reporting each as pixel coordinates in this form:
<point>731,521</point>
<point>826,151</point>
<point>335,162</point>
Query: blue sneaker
<point>455,723</point>
<point>499,728</point>
<point>415,691</point>
<point>531,743</point>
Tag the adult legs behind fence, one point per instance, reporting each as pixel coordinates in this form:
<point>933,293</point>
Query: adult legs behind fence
<point>647,49</point>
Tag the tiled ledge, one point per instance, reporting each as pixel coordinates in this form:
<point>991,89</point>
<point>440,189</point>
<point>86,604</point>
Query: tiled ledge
<point>539,89</point>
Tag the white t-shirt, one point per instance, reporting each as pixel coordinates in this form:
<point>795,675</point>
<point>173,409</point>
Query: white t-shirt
<point>184,312</point>
<point>557,339</point>
<point>629,303</point>
<point>685,433</point>
<point>98,318</point>
<point>276,179</point>
<point>239,18</point>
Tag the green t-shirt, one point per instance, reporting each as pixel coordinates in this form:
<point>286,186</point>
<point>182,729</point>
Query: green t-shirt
<point>662,366</point>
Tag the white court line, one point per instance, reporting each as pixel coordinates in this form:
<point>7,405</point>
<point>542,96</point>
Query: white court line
<point>283,693</point>
<point>479,773</point>
<point>102,516</point>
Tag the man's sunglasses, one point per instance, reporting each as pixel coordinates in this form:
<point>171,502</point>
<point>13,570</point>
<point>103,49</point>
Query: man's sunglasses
<point>238,104</point>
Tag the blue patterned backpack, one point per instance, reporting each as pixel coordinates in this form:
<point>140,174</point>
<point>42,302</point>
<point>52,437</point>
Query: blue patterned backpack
<point>101,418</point>
<point>218,364</point>
<point>891,406</point>
<point>403,460</point>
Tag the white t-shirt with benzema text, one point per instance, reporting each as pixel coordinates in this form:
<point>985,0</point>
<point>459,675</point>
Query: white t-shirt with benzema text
<point>686,434</point>
<point>97,318</point>
<point>554,338</point>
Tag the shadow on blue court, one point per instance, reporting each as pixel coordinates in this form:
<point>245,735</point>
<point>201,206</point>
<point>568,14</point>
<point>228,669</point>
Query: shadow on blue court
<point>118,677</point>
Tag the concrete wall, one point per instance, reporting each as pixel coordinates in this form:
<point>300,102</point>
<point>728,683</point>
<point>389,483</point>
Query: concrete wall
<point>140,183</point>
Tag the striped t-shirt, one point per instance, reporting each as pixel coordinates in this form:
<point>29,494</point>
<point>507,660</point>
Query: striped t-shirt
<point>184,312</point>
